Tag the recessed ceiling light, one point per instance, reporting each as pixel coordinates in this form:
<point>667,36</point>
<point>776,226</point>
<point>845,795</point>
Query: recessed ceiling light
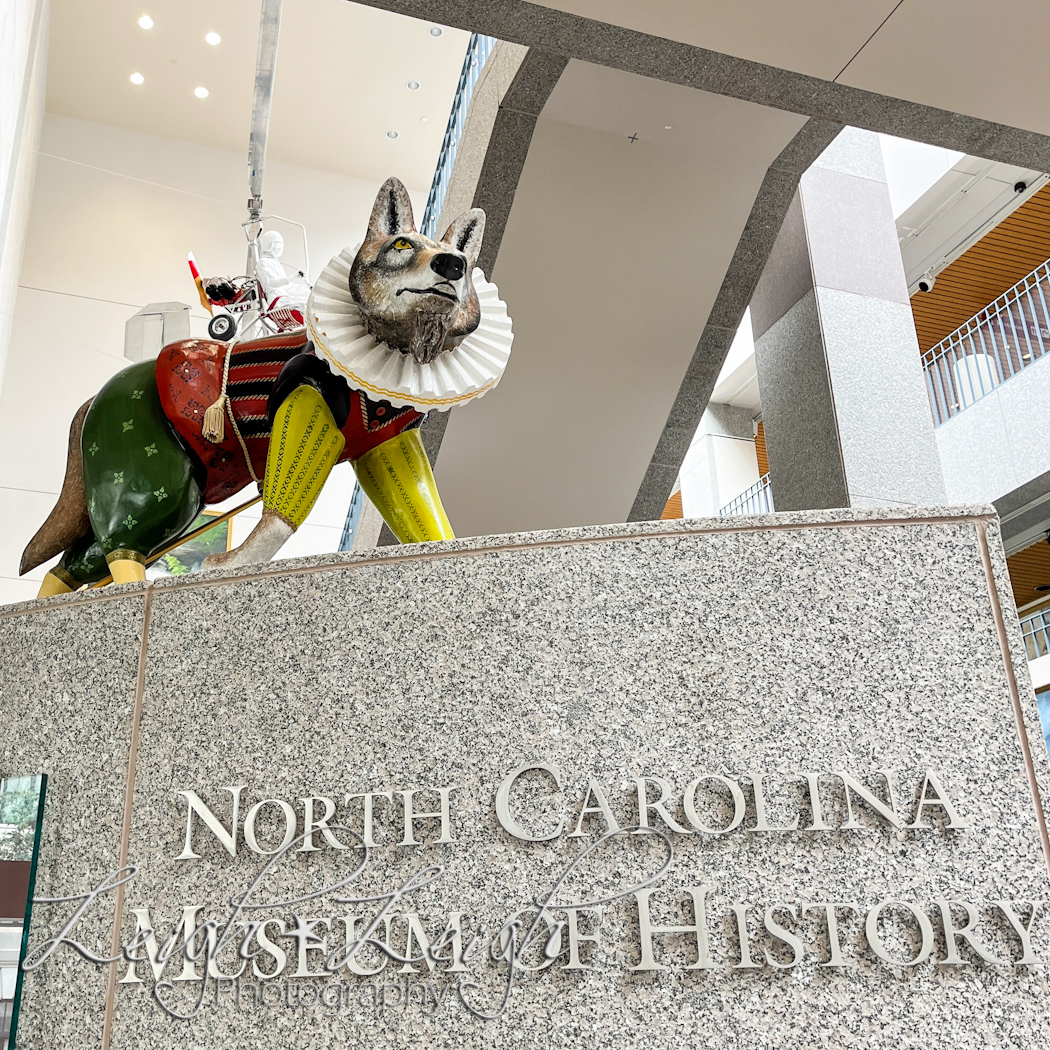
<point>201,92</point>
<point>146,22</point>
<point>391,134</point>
<point>423,120</point>
<point>413,85</point>
<point>434,30</point>
<point>667,127</point>
<point>1041,588</point>
<point>213,38</point>
<point>137,78</point>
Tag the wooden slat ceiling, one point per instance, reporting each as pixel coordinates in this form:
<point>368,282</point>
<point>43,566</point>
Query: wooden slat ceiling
<point>760,450</point>
<point>1029,569</point>
<point>1019,244</point>
<point>673,507</point>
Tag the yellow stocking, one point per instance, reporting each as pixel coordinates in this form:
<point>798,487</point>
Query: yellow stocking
<point>304,447</point>
<point>126,566</point>
<point>396,477</point>
<point>53,584</point>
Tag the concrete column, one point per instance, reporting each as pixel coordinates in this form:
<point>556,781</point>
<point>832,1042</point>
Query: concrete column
<point>23,73</point>
<point>847,420</point>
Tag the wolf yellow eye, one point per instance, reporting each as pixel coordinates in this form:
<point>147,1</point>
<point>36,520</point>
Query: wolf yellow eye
<point>401,244</point>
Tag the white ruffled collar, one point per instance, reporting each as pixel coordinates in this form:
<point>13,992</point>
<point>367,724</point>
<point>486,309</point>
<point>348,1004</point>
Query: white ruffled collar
<point>454,377</point>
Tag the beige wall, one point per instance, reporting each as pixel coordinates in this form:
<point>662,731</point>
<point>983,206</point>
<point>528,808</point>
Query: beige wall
<point>23,73</point>
<point>114,213</point>
<point>613,255</point>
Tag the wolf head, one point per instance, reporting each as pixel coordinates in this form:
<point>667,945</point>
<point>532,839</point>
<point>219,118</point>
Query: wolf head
<point>415,294</point>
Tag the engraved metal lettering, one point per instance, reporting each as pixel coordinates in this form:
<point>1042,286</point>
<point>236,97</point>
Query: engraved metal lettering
<point>761,824</point>
<point>503,814</point>
<point>646,930</point>
<point>659,806</point>
<point>835,956</point>
<point>689,804</point>
<point>871,932</point>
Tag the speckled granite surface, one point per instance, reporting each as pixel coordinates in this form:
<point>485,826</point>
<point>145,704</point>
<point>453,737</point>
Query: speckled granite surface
<point>781,645</point>
<point>67,692</point>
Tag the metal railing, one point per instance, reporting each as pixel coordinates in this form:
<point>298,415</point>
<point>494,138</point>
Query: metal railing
<point>1036,632</point>
<point>1001,340</point>
<point>758,499</point>
<point>478,51</point>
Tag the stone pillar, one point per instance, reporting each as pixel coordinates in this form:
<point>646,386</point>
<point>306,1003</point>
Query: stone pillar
<point>847,420</point>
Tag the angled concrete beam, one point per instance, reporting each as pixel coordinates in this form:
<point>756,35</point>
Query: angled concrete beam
<point>572,36</point>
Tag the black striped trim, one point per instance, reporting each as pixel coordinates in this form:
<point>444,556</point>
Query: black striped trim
<point>250,388</point>
<point>254,426</point>
<point>265,355</point>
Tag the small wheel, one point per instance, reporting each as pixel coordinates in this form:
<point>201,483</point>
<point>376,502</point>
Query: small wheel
<point>222,327</point>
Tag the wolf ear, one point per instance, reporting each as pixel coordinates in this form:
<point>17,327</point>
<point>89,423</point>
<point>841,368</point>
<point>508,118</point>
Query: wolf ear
<point>466,233</point>
<point>392,211</point>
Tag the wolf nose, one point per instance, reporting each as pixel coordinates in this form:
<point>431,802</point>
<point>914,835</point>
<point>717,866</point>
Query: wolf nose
<point>450,267</point>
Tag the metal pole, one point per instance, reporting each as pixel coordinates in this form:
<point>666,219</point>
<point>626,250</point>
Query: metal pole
<point>265,66</point>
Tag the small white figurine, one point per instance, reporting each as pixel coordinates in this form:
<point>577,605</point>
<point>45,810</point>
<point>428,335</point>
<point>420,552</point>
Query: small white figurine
<point>283,291</point>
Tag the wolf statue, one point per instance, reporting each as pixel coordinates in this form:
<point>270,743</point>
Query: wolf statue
<point>405,326</point>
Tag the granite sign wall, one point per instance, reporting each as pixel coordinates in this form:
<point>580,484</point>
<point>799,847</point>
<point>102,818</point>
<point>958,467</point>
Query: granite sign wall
<point>688,782</point>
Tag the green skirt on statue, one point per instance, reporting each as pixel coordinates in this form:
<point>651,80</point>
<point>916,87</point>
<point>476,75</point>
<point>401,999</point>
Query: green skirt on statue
<point>144,485</point>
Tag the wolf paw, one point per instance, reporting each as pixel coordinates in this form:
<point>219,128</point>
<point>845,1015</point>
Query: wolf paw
<point>262,543</point>
<point>223,560</point>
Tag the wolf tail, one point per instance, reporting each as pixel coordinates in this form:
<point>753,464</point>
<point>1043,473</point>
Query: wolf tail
<point>68,520</point>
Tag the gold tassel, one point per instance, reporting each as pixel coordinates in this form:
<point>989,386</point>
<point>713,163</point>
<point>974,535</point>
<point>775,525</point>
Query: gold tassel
<point>214,427</point>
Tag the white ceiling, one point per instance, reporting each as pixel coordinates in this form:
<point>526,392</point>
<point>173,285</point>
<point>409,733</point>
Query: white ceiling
<point>342,71</point>
<point>985,59</point>
<point>612,257</point>
<point>982,58</point>
<point>816,37</point>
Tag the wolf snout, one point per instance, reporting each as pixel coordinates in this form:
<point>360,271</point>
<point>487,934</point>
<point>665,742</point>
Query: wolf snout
<point>451,267</point>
